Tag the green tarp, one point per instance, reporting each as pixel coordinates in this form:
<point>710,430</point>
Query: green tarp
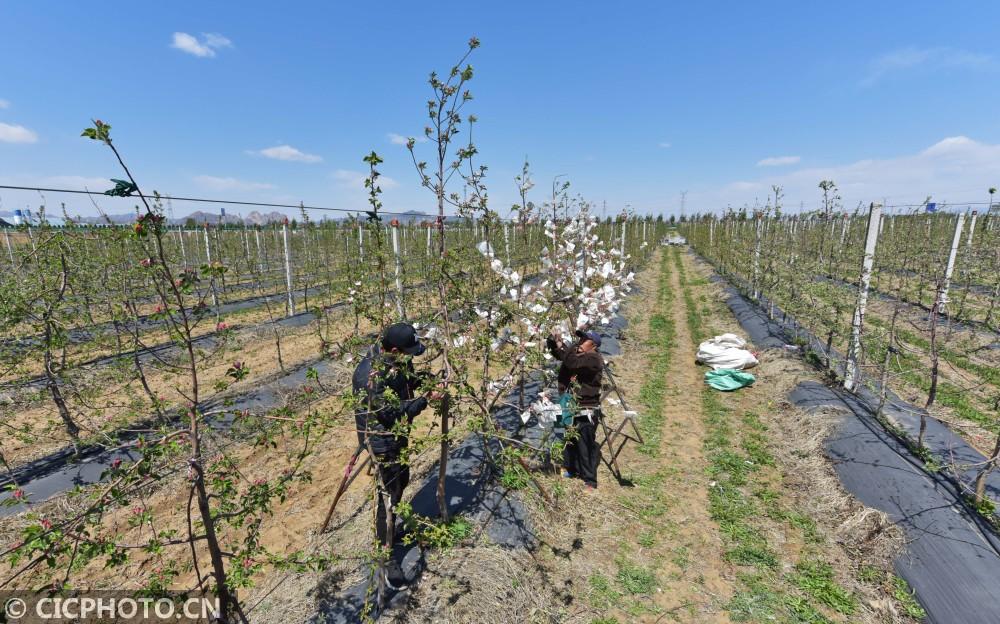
<point>728,379</point>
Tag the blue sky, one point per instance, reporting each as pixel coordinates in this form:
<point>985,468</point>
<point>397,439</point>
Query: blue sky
<point>634,102</point>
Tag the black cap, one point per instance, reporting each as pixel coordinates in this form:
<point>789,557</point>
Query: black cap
<point>591,336</point>
<point>403,337</point>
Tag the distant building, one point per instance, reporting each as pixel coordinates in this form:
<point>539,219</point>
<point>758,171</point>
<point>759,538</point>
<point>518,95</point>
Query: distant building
<point>25,217</point>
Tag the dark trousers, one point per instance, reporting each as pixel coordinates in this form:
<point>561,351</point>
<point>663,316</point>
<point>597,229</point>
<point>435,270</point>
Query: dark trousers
<point>581,455</point>
<point>393,478</point>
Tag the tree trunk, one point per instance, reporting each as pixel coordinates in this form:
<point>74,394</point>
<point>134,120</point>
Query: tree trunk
<point>991,464</point>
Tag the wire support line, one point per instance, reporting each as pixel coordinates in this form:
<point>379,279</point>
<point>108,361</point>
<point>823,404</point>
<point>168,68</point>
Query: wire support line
<point>229,202</point>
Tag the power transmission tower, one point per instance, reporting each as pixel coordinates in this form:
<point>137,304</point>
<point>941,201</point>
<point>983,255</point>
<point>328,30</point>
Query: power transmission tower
<point>683,203</point>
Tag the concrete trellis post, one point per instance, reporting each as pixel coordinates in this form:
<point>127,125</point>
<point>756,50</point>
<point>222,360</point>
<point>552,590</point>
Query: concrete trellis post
<point>260,255</point>
<point>851,374</point>
<point>622,249</point>
<point>246,244</point>
<point>506,241</point>
<point>972,230</point>
<point>180,237</point>
<point>208,260</point>
<point>10,250</point>
<point>756,256</point>
<point>399,273</point>
<point>428,241</point>
<point>361,242</point>
<point>267,260</point>
<point>288,268</point>
<point>942,298</point>
<point>208,251</point>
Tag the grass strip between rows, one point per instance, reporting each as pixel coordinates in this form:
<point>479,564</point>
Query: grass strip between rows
<point>636,578</point>
<point>743,503</point>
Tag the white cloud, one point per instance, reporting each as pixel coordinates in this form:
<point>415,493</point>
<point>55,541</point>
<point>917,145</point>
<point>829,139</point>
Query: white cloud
<point>287,152</point>
<point>230,184</point>
<point>215,40</point>
<point>929,59</point>
<point>4,103</point>
<point>664,144</point>
<point>399,139</point>
<point>355,180</point>
<point>955,169</point>
<point>206,47</point>
<point>16,134</point>
<point>778,161</point>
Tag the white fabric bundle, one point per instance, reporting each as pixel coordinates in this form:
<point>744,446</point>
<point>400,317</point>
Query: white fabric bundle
<point>726,351</point>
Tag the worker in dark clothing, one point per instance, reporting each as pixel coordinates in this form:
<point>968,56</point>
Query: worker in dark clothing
<point>580,374</point>
<point>386,388</point>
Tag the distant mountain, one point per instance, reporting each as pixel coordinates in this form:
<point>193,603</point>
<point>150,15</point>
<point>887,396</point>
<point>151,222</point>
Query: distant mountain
<point>208,217</point>
<point>257,218</point>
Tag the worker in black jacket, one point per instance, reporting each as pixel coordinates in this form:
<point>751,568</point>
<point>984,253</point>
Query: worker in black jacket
<point>386,388</point>
<point>580,373</point>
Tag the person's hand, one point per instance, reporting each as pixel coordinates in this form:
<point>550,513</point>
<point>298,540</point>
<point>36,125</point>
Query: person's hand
<point>437,393</point>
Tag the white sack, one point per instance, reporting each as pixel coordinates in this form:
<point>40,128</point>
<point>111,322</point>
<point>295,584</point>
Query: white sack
<point>726,351</point>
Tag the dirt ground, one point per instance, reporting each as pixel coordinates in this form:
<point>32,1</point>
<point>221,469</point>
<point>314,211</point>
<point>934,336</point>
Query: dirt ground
<point>651,548</point>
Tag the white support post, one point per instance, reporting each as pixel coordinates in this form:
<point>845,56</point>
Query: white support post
<point>972,231</point>
<point>180,237</point>
<point>260,255</point>
<point>208,260</point>
<point>246,244</point>
<point>361,242</point>
<point>399,270</point>
<point>428,241</point>
<point>288,268</point>
<point>506,241</point>
<point>942,299</point>
<point>622,249</point>
<point>208,251</point>
<point>851,374</point>
<point>756,256</point>
<point>10,250</point>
